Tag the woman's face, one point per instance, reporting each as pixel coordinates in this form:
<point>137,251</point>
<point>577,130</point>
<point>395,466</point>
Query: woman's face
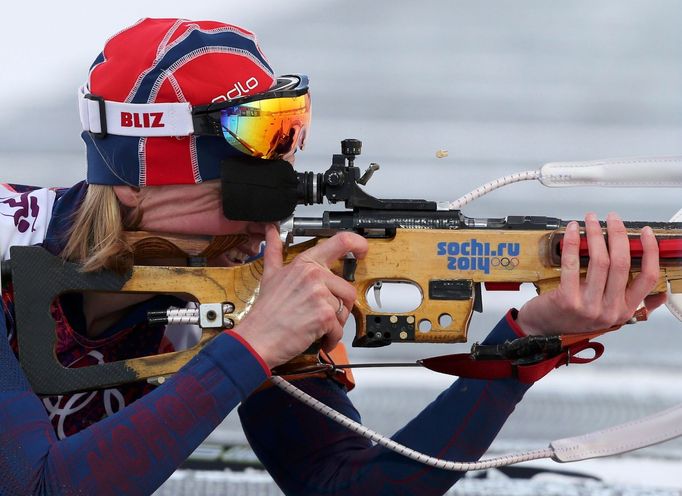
<point>191,209</point>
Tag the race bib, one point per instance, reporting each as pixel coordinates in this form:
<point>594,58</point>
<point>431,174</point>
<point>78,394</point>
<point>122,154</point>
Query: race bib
<point>24,217</point>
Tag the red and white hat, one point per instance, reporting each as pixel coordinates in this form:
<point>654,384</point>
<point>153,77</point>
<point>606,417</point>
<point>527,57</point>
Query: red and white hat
<point>166,61</point>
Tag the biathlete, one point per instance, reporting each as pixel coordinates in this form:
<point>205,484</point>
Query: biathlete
<point>156,168</point>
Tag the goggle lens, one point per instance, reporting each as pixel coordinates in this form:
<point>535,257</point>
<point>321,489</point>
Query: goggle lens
<point>268,128</point>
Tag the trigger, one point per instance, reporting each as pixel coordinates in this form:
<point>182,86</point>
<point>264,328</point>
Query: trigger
<point>349,266</point>
<point>377,292</point>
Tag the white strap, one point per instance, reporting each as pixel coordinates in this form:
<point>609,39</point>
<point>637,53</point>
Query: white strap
<point>625,172</point>
<point>674,302</point>
<point>640,433</point>
<point>136,119</point>
<point>656,428</point>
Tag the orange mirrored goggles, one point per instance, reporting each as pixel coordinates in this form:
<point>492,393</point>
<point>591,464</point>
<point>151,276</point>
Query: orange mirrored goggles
<point>269,125</point>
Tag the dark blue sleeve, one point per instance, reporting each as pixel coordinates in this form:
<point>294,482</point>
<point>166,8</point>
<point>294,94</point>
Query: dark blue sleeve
<point>133,451</point>
<point>308,454</point>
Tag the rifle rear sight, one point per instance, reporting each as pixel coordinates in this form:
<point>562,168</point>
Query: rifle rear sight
<point>341,183</point>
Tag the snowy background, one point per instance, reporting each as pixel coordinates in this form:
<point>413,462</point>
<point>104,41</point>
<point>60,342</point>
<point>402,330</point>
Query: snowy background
<point>504,86</point>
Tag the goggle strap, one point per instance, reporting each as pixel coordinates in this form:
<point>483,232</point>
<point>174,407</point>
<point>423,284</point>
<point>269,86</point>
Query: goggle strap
<point>133,119</point>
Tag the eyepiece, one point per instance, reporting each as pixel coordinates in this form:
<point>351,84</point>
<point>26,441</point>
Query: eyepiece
<point>309,190</point>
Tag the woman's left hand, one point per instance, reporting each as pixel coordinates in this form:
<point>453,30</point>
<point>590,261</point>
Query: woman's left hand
<point>606,297</point>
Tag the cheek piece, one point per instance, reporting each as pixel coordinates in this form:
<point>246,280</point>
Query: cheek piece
<point>258,190</point>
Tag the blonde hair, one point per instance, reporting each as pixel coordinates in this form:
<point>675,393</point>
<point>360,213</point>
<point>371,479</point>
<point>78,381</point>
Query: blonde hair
<point>96,240</point>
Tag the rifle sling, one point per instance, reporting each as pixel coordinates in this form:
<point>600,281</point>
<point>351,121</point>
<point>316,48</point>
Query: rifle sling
<point>526,371</point>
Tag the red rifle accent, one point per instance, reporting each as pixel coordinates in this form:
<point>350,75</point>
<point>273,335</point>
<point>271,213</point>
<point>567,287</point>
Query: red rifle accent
<point>667,248</point>
<point>463,365</point>
<point>502,286</point>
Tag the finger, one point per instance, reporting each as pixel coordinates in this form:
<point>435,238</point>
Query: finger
<point>619,261</point>
<point>598,266</point>
<point>272,256</point>
<point>327,252</point>
<point>332,338</point>
<point>646,280</point>
<point>341,288</point>
<point>339,308</point>
<point>652,302</point>
<point>570,260</point>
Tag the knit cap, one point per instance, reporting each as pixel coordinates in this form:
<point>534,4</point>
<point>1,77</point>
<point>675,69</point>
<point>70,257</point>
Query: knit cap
<point>171,61</point>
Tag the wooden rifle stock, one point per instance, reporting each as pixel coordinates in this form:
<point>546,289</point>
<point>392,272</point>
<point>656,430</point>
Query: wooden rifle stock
<point>448,265</point>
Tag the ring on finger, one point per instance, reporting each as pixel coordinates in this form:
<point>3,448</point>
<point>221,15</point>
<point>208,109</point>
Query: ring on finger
<point>338,312</point>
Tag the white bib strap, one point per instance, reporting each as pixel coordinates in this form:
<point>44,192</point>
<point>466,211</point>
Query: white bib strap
<point>134,119</point>
<point>626,172</point>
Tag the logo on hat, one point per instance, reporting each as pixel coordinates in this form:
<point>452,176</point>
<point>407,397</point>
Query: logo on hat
<point>142,119</point>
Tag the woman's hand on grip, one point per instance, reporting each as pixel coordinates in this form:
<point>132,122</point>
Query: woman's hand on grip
<point>300,302</point>
<point>606,296</point>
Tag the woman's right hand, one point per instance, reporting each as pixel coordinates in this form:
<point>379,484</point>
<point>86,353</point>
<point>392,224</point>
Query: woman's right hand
<point>298,303</point>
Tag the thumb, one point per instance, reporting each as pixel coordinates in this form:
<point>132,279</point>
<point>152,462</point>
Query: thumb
<point>272,256</point>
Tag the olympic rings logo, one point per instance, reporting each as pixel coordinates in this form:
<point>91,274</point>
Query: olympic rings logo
<point>505,262</point>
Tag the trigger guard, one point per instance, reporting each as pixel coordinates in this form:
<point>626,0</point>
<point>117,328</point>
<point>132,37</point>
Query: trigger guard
<point>674,302</point>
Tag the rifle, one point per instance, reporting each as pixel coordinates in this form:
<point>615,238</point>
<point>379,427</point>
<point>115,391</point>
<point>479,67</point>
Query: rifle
<point>446,254</point>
